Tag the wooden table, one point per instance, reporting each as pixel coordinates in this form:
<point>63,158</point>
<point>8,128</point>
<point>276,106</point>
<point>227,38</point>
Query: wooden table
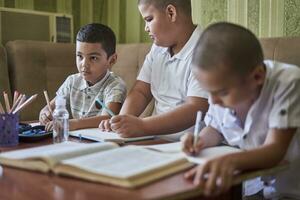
<point>21,184</point>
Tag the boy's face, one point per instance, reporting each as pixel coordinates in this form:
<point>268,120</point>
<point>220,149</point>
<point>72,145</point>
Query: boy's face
<point>228,90</point>
<point>92,62</point>
<point>157,24</point>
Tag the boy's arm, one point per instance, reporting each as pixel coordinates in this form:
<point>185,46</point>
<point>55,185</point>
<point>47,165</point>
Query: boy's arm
<point>138,99</point>
<point>223,168</point>
<point>93,122</point>
<point>182,117</point>
<point>269,154</point>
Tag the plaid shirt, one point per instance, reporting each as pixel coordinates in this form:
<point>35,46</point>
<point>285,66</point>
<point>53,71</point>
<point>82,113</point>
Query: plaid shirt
<point>81,97</point>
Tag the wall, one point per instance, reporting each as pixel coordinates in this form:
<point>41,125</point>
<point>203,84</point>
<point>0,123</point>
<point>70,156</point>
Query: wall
<point>266,18</point>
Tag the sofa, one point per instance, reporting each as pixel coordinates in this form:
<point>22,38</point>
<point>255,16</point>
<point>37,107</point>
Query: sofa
<point>34,66</point>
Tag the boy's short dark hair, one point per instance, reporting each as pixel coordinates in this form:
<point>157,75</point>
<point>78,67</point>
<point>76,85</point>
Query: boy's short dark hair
<point>183,5</point>
<point>98,33</point>
<point>229,45</point>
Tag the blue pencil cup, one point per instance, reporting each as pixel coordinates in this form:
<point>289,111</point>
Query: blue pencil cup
<point>9,133</point>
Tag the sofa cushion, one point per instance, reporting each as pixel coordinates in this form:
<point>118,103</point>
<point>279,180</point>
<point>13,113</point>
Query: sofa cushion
<point>283,49</point>
<point>4,80</point>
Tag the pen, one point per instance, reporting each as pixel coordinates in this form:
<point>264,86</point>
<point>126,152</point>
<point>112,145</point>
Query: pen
<point>100,104</point>
<point>197,127</point>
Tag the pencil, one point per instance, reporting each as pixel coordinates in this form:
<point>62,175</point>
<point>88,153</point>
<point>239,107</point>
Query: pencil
<point>23,105</point>
<point>105,108</point>
<point>6,101</point>
<point>1,109</point>
<point>16,94</point>
<point>18,100</point>
<point>47,100</point>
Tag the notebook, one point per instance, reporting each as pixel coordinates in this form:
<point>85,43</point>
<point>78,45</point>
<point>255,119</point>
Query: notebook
<point>96,134</point>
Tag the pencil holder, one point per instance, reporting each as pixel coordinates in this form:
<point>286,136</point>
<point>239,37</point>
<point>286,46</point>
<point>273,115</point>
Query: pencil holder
<point>9,133</point>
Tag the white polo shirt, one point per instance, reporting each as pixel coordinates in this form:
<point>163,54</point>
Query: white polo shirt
<point>278,106</point>
<point>171,78</point>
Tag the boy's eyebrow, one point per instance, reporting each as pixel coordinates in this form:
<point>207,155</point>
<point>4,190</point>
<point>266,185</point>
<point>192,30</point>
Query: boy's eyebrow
<point>92,53</point>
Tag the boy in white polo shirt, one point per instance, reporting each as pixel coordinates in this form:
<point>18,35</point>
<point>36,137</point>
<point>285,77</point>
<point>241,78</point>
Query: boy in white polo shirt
<point>95,55</point>
<point>254,105</point>
<point>165,75</point>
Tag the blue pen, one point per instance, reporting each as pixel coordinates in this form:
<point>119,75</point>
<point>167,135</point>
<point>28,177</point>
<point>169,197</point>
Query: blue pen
<point>105,107</point>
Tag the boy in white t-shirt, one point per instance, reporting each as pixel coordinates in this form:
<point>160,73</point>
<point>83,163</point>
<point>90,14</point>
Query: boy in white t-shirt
<point>254,105</point>
<point>166,75</point>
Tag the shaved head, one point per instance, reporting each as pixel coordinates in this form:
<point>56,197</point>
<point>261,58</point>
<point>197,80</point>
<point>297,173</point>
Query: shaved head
<point>228,45</point>
<point>181,5</point>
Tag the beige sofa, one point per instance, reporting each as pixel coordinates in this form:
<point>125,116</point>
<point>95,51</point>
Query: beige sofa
<point>35,66</point>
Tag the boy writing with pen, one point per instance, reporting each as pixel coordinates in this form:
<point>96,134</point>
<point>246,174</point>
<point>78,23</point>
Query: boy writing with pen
<point>95,55</point>
<point>254,105</point>
<point>165,75</point>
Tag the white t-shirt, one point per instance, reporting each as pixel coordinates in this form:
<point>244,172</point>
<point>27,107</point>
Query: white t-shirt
<point>277,107</point>
<point>171,78</point>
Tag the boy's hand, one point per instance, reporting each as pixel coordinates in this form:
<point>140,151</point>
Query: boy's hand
<point>215,176</point>
<point>45,116</point>
<point>127,125</point>
<point>105,125</point>
<point>187,144</point>
<point>49,126</point>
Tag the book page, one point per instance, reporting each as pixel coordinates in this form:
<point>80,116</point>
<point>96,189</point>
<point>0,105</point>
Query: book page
<point>212,152</point>
<point>172,147</point>
<point>204,155</point>
<point>103,136</point>
<point>56,152</point>
<point>125,162</point>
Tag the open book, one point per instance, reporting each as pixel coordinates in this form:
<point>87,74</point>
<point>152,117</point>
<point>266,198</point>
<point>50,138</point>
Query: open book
<point>128,166</point>
<point>96,134</point>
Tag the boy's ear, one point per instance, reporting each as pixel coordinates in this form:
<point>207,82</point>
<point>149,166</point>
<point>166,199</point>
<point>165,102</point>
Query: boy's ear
<point>171,12</point>
<point>112,60</point>
<point>259,74</point>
